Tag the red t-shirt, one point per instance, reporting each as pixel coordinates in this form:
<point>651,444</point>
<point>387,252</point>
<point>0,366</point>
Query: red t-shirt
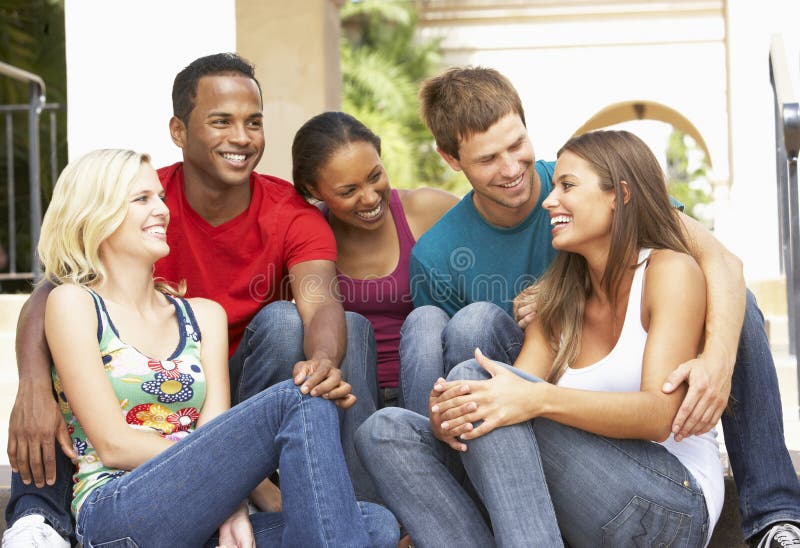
<point>242,264</point>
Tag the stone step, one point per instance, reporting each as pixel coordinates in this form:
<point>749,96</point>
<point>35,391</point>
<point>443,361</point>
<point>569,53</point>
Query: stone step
<point>727,533</point>
<point>8,364</point>
<point>10,306</point>
<point>770,294</point>
<point>8,392</point>
<point>777,330</point>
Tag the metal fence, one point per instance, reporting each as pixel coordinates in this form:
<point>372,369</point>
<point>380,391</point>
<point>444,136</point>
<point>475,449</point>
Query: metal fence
<point>34,109</point>
<point>787,148</point>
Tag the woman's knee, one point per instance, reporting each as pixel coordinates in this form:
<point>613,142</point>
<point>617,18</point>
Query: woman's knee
<point>382,526</point>
<point>291,396</point>
<point>385,425</point>
<point>469,370</point>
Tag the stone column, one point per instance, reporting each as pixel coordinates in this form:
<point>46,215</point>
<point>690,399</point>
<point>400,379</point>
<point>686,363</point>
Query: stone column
<point>295,49</point>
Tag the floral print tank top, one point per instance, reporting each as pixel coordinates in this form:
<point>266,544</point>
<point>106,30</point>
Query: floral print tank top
<point>161,395</point>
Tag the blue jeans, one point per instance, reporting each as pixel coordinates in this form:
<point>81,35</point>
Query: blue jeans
<point>51,501</point>
<point>273,343</point>
<point>769,491</point>
<point>431,344</point>
<point>181,496</point>
<point>538,480</point>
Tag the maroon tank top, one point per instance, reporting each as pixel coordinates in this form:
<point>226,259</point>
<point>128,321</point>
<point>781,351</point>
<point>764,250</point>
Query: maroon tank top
<point>385,301</point>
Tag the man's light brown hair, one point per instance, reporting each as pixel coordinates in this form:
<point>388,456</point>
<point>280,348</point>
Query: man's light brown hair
<point>463,101</point>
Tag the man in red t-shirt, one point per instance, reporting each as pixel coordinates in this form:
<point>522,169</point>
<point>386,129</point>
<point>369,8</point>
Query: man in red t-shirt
<point>241,238</point>
<point>238,237</point>
<point>250,242</point>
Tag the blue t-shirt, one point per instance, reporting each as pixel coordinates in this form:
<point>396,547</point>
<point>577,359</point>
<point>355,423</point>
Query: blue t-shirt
<point>463,259</point>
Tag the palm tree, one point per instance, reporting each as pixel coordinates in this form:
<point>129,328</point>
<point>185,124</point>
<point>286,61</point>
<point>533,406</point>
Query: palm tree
<point>383,63</point>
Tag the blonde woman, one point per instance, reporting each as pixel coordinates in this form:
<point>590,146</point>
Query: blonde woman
<point>141,377</point>
<point>588,454</point>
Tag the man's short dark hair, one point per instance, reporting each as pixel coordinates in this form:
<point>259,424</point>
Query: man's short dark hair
<point>184,88</point>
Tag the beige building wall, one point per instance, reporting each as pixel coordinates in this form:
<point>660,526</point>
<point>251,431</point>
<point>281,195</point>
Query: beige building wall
<point>122,57</point>
<point>295,48</point>
<point>704,59</point>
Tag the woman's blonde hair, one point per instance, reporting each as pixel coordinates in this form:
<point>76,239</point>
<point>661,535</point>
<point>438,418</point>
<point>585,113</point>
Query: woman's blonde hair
<point>90,200</point>
<point>646,220</point>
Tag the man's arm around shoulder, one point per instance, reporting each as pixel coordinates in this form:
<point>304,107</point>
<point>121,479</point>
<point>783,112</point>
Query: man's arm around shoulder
<point>36,422</point>
<point>709,375</point>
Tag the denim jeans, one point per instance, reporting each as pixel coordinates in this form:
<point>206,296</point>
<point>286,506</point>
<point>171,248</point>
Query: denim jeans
<point>769,491</point>
<point>51,501</point>
<point>538,480</point>
<point>273,343</point>
<point>431,344</point>
<point>181,496</point>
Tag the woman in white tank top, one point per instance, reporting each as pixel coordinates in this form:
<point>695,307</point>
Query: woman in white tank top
<point>620,308</point>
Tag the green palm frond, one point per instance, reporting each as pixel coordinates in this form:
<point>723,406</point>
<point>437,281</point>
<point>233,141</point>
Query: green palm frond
<point>396,147</point>
<point>383,63</point>
<point>390,11</point>
<point>368,77</point>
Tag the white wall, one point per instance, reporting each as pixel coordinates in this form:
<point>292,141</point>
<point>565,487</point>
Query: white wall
<point>567,68</point>
<point>750,224</point>
<point>122,57</point>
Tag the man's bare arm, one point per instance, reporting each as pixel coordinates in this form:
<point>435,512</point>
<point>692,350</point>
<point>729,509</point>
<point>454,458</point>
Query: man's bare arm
<point>709,375</point>
<point>315,289</point>
<point>36,422</point>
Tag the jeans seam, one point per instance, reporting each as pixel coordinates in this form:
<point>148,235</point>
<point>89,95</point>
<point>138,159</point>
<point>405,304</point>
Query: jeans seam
<point>365,345</point>
<point>312,473</point>
<point>744,500</point>
<point>773,519</point>
<point>682,485</point>
<point>250,332</point>
<point>683,516</point>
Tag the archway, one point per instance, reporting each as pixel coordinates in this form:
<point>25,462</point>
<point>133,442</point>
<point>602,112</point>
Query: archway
<point>645,110</point>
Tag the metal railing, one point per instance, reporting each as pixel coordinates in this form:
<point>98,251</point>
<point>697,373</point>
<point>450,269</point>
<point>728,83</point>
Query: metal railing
<point>787,148</point>
<point>36,105</point>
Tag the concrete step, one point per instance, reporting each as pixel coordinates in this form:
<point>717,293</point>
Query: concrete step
<point>8,392</point>
<point>770,294</point>
<point>727,534</point>
<point>777,330</point>
<point>10,306</point>
<point>8,363</point>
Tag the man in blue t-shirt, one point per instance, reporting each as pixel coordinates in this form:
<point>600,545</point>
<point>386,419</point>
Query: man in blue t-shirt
<point>468,268</point>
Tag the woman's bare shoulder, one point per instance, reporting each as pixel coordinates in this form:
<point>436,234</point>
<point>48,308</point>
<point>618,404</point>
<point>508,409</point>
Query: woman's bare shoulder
<point>424,206</point>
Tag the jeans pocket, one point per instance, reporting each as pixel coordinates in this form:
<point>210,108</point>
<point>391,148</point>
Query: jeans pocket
<point>645,523</point>
<point>126,542</point>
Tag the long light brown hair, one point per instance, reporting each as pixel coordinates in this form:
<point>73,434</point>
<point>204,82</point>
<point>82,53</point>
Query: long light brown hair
<point>646,220</point>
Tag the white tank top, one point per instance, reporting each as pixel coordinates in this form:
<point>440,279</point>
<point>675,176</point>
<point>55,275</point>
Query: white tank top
<point>621,371</point>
